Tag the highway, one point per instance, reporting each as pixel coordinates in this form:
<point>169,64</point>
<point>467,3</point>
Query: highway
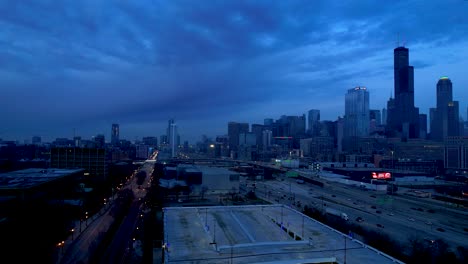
<point>402,217</point>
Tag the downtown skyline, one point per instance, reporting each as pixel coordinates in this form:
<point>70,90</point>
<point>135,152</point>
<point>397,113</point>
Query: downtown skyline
<point>206,65</point>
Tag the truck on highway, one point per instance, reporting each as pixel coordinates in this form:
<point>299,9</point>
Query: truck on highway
<point>337,213</point>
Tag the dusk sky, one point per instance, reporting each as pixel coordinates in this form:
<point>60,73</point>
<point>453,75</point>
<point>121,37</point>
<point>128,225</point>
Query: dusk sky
<point>84,65</point>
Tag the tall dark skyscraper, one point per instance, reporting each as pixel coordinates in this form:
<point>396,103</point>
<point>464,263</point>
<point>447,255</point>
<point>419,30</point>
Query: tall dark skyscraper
<point>313,121</point>
<point>115,134</point>
<point>402,116</point>
<point>446,116</point>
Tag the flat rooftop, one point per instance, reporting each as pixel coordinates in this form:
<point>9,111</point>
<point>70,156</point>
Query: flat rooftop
<point>29,178</point>
<point>258,234</point>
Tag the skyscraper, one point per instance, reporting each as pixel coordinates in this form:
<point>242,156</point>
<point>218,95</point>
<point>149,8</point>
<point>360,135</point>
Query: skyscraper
<point>234,130</point>
<point>446,116</point>
<point>403,117</point>
<point>384,116</point>
<point>356,113</point>
<point>266,139</point>
<point>115,134</point>
<point>313,121</point>
<point>172,136</point>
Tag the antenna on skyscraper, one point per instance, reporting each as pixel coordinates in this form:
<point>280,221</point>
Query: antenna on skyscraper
<point>398,39</point>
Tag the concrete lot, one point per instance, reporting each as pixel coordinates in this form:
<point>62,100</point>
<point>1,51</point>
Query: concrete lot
<point>256,234</point>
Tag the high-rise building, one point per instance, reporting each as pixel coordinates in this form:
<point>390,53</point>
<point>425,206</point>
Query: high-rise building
<point>422,126</point>
<point>402,115</point>
<point>266,139</point>
<point>234,130</point>
<point>356,113</point>
<point>375,120</point>
<point>384,116</point>
<point>257,129</point>
<point>99,140</point>
<point>446,115</point>
<point>375,115</point>
<point>150,141</point>
<point>91,159</point>
<point>115,134</point>
<point>313,121</point>
<point>172,136</point>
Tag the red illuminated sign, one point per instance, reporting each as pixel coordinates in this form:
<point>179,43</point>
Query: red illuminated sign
<point>381,175</point>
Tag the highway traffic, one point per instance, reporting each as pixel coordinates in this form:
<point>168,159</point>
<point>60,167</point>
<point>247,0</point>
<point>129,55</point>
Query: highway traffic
<point>401,217</point>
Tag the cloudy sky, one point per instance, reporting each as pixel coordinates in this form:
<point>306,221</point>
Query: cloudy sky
<point>82,65</point>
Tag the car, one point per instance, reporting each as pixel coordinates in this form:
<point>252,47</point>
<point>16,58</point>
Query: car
<point>428,223</point>
<point>373,207</point>
<point>390,214</point>
<point>379,225</point>
<point>373,196</point>
<point>411,219</point>
<point>440,229</point>
<point>359,219</point>
<point>333,195</point>
<point>379,212</point>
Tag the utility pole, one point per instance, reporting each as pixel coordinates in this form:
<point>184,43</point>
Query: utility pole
<point>344,249</point>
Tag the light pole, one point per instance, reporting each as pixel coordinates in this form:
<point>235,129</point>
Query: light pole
<point>72,231</point>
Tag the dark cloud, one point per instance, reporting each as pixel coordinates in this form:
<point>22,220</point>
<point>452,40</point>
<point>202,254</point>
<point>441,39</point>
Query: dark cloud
<point>93,62</point>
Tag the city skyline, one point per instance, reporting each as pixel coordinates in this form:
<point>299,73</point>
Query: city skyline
<point>256,52</point>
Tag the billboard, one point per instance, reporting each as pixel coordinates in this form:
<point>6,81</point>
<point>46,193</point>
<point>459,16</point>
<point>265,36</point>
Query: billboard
<point>381,175</point>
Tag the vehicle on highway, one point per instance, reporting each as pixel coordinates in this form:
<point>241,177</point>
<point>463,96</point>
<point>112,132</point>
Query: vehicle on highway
<point>359,219</point>
<point>338,213</point>
<point>379,225</point>
<point>300,181</point>
<point>373,207</point>
<point>440,229</point>
<point>373,196</point>
<point>379,212</point>
<point>411,219</point>
<point>390,214</point>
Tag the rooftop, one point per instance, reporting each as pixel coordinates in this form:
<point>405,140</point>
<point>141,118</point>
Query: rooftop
<point>29,178</point>
<point>258,234</point>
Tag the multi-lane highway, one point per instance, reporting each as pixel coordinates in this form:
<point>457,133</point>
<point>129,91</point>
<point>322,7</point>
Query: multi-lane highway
<point>401,217</point>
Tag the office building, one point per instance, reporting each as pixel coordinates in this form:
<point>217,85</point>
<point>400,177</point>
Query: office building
<point>456,153</point>
<point>267,136</point>
<point>90,159</point>
<point>357,113</point>
<point>150,141</point>
<point>402,115</point>
<point>384,116</point>
<point>172,136</point>
<point>422,126</point>
<point>257,129</point>
<point>99,140</point>
<point>313,121</point>
<point>446,115</point>
<point>234,130</point>
<point>115,134</point>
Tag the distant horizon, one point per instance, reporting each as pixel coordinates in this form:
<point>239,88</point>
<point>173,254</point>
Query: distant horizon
<point>245,61</point>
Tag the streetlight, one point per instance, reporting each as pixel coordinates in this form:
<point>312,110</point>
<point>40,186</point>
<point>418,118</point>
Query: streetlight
<point>61,245</point>
<point>72,231</point>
